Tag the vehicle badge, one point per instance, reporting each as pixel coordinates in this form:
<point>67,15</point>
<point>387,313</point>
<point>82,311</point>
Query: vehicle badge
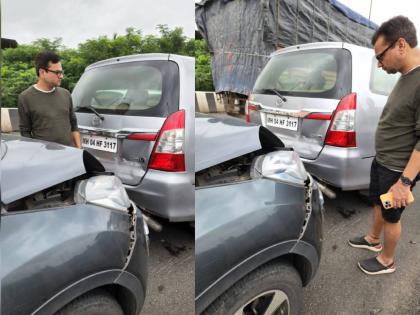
<point>279,102</point>
<point>96,121</point>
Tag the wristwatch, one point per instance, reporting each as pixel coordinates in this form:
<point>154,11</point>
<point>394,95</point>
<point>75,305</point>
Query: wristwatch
<point>406,181</point>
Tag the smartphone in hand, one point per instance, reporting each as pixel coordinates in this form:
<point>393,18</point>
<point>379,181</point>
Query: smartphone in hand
<point>388,200</point>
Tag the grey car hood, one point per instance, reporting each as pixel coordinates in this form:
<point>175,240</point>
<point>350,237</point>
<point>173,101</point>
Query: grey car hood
<point>29,165</point>
<point>220,139</point>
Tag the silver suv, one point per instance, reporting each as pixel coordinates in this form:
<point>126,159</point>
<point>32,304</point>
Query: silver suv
<point>136,115</point>
<point>324,100</point>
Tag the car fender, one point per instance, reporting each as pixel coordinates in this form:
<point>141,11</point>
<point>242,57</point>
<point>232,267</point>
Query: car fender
<point>276,251</point>
<point>91,282</point>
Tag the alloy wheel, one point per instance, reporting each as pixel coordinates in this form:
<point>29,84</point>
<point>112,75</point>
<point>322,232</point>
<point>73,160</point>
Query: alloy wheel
<point>273,302</point>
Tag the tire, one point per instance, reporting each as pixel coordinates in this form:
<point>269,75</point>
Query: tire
<point>97,302</point>
<point>272,281</point>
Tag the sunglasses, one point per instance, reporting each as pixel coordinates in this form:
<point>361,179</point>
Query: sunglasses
<point>57,72</point>
<point>381,56</point>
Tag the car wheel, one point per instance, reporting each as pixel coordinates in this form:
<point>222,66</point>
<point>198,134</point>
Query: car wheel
<point>98,302</point>
<point>273,289</point>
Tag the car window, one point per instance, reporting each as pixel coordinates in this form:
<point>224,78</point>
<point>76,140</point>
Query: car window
<point>316,73</point>
<point>135,88</point>
<point>380,81</point>
<point>306,73</point>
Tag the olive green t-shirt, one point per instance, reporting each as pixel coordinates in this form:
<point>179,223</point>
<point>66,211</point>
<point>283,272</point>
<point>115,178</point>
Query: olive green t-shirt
<point>47,115</point>
<point>398,132</point>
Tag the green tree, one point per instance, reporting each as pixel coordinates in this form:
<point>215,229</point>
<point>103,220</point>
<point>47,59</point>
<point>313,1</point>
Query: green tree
<point>203,75</point>
<point>20,76</point>
<point>47,44</point>
<point>23,53</point>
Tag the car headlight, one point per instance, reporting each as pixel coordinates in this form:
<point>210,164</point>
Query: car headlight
<point>283,166</point>
<point>103,190</point>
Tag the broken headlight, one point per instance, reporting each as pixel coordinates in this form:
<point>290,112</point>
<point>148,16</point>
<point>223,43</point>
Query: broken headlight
<point>283,166</point>
<point>104,190</point>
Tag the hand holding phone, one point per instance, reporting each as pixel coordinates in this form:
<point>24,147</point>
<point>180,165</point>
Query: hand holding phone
<point>388,199</point>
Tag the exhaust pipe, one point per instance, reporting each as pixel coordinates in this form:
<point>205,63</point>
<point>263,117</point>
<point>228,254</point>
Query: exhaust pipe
<point>153,224</point>
<point>326,191</point>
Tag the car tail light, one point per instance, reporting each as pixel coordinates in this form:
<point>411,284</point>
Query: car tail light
<point>248,109</point>
<point>342,132</point>
<point>168,151</point>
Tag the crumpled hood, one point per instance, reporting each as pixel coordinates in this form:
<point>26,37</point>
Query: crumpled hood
<point>29,165</point>
<point>219,139</point>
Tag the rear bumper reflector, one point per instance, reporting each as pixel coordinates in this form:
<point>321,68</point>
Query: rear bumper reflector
<point>319,116</point>
<point>142,136</point>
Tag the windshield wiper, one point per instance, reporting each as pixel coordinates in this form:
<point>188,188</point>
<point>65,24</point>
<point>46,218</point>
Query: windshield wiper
<point>275,92</point>
<point>93,110</point>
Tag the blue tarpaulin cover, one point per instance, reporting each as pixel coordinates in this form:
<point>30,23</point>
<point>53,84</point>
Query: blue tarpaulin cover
<point>353,15</point>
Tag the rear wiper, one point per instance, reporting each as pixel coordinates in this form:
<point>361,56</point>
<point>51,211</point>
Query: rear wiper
<point>93,110</point>
<point>275,92</point>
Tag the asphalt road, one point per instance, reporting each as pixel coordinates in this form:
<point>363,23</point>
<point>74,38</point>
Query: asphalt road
<point>171,271</point>
<point>340,288</point>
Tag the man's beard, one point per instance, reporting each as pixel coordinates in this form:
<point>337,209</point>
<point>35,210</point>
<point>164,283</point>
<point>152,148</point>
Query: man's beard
<point>391,71</point>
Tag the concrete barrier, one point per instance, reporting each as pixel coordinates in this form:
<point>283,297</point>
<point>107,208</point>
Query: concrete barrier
<point>9,120</point>
<point>209,102</point>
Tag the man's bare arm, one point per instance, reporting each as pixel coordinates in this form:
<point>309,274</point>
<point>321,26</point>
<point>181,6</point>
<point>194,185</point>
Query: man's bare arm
<point>76,139</point>
<point>399,190</point>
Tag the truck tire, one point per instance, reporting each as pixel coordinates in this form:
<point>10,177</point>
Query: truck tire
<point>275,286</point>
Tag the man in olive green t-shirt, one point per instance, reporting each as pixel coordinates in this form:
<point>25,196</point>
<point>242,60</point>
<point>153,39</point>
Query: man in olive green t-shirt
<point>46,109</point>
<point>397,164</point>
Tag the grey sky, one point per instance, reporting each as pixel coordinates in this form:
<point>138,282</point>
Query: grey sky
<point>383,10</point>
<point>78,20</point>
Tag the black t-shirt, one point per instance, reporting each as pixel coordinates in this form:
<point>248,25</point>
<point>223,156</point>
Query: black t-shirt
<point>398,132</point>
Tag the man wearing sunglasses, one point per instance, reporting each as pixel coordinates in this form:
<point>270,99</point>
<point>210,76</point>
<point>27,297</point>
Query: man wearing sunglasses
<point>396,166</point>
<point>46,109</point>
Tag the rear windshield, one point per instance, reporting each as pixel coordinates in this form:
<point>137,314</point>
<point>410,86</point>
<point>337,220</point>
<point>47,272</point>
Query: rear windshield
<point>144,88</point>
<point>323,73</point>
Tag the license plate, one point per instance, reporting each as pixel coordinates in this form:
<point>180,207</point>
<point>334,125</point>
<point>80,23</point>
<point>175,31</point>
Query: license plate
<point>100,143</point>
<point>284,122</point>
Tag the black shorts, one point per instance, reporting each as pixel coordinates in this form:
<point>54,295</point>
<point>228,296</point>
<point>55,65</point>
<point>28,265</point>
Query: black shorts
<point>381,180</point>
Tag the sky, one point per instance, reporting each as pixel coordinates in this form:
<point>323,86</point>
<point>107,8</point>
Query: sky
<point>383,10</point>
<point>77,20</point>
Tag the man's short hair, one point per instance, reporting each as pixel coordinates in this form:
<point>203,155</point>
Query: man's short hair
<point>395,28</point>
<point>43,58</point>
